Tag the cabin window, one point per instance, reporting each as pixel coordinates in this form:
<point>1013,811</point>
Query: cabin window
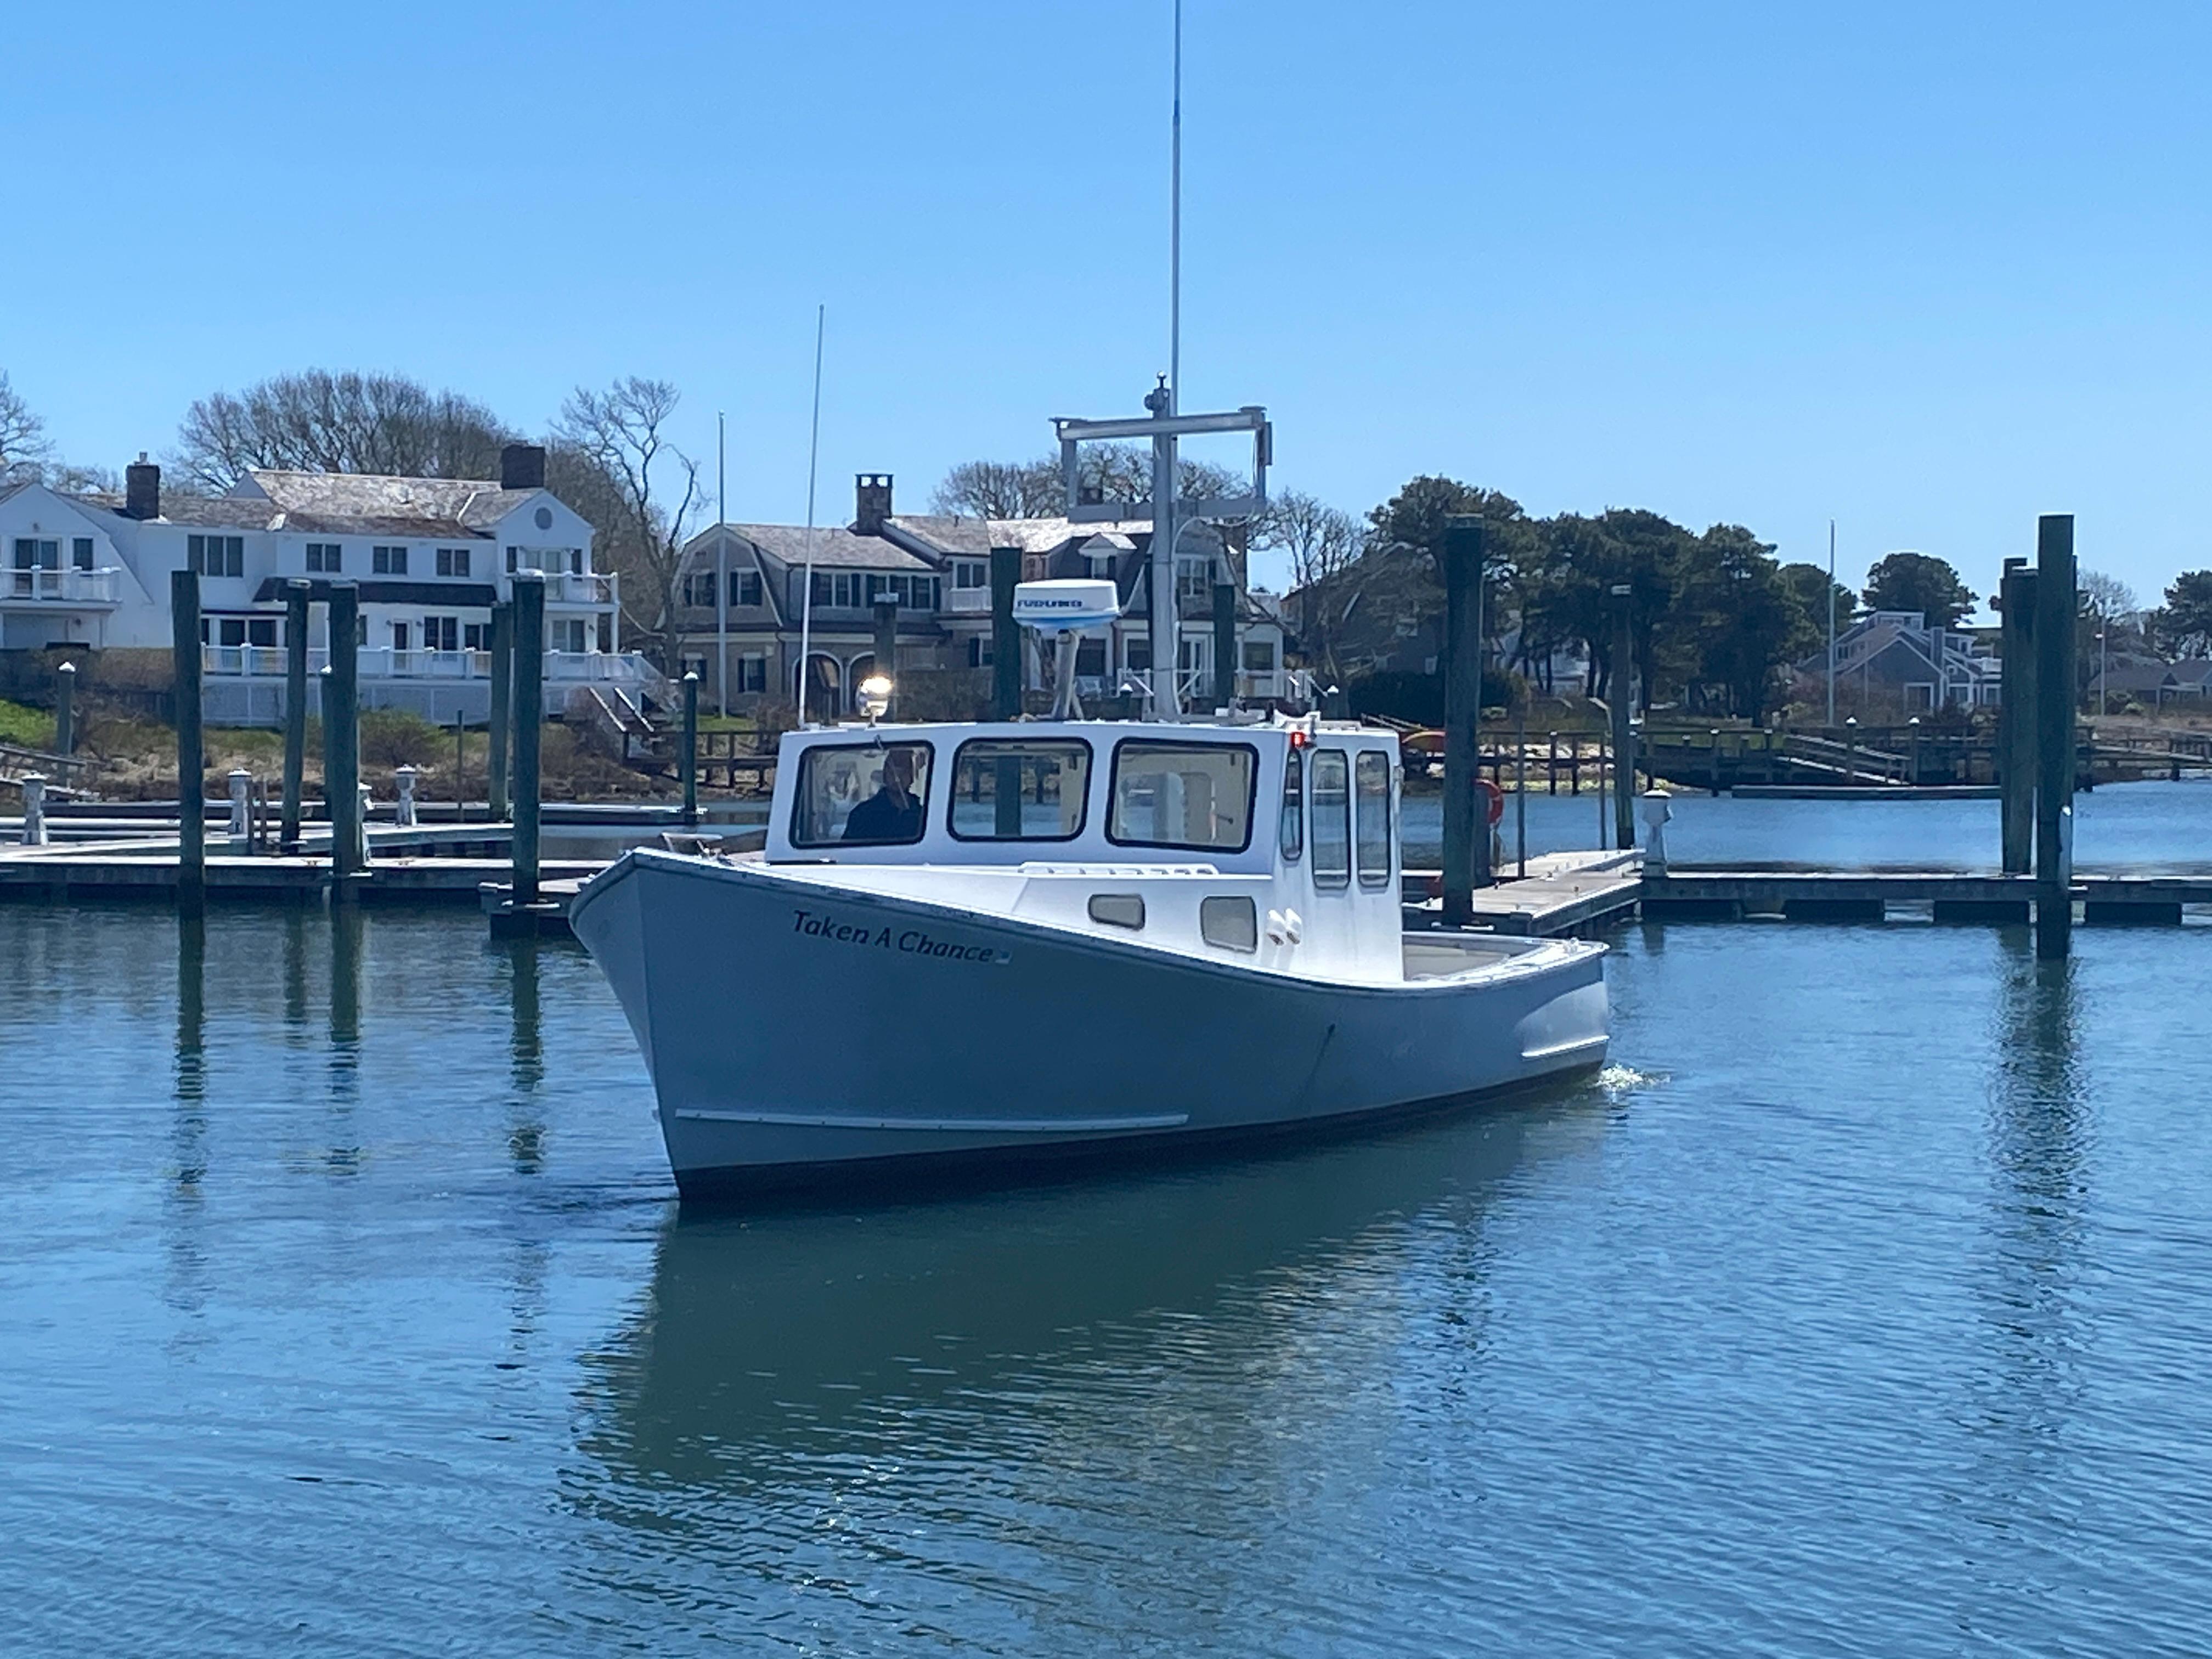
<point>1197,797</point>
<point>1370,776</point>
<point>1293,831</point>
<point>1025,789</point>
<point>1231,923</point>
<point>1118,910</point>
<point>1332,818</point>
<point>861,795</point>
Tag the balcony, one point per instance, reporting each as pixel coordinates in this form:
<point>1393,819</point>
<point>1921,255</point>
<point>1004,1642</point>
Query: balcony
<point>967,601</point>
<point>65,586</point>
<point>384,663</point>
<point>568,587</point>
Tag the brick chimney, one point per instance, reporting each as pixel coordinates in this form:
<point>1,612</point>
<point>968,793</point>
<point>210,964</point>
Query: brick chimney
<point>871,496</point>
<point>141,488</point>
<point>522,467</point>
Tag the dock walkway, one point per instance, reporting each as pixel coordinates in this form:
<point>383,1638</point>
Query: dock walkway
<point>1562,893</point>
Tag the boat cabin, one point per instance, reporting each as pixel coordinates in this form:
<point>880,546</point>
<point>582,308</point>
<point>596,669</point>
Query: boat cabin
<point>1274,845</point>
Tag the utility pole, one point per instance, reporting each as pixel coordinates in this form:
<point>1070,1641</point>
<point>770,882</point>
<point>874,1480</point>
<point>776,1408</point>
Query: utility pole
<point>1831,622</point>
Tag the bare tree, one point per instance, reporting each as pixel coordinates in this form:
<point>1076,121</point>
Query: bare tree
<point>2108,597</point>
<point>999,490</point>
<point>318,421</point>
<point>1321,540</point>
<point>624,432</point>
<point>24,449</point>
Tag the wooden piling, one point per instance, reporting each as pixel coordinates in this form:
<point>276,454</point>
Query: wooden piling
<point>65,709</point>
<point>500,721</point>
<point>1466,839</point>
<point>2055,606</point>
<point>1006,637</point>
<point>191,758</point>
<point>295,713</point>
<point>1520,793</point>
<point>341,737</point>
<point>688,756</point>
<point>1224,644</point>
<point>529,711</point>
<point>2015,759</point>
<point>886,616</point>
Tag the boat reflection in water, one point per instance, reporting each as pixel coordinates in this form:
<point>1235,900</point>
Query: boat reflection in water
<point>982,1391</point>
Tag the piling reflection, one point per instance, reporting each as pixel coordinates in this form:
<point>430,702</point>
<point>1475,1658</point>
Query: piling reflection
<point>295,968</point>
<point>525,1139</point>
<point>186,1257</point>
<point>347,941</point>
<point>981,1332</point>
<point>2039,1136</point>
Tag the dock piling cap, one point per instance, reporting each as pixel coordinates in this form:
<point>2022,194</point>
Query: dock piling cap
<point>1066,604</point>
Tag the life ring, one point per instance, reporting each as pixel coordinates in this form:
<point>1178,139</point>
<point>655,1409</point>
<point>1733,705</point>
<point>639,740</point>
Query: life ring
<point>1493,802</point>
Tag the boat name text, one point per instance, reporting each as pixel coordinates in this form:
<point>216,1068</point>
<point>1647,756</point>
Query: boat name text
<point>912,942</point>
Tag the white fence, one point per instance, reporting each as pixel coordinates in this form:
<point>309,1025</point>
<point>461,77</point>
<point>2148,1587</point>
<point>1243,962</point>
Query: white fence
<point>65,586</point>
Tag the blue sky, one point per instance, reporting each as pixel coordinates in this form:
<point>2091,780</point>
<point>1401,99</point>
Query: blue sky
<point>1926,269</point>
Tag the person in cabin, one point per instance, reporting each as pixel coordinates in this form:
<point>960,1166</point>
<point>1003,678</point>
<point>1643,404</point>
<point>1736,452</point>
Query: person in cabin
<point>893,813</point>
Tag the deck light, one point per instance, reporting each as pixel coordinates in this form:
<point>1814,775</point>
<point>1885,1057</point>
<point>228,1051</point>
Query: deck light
<point>874,695</point>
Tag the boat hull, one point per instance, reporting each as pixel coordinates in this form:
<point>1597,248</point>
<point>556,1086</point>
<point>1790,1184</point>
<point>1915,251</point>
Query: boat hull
<point>801,1034</point>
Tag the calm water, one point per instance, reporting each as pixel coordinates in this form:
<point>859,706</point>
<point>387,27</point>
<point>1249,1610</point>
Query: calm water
<point>1861,1308</point>
<point>2119,828</point>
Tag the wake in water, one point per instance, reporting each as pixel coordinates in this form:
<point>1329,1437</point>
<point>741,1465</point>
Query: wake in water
<point>1617,1082</point>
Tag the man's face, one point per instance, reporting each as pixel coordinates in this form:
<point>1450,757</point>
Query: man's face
<point>898,771</point>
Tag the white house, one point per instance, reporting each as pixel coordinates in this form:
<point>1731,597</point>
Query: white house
<point>431,557</point>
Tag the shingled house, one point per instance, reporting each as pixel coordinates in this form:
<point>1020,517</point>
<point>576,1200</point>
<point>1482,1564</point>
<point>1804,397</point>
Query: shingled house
<point>937,570</point>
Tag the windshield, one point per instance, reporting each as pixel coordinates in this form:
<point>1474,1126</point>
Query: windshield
<point>861,795</point>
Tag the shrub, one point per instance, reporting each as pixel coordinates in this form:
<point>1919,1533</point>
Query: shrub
<point>398,736</point>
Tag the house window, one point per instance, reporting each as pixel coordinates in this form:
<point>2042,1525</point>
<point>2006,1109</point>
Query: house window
<point>31,555</point>
<point>575,560</point>
<point>513,554</point>
<point>80,553</point>
<point>261,631</point>
<point>695,664</point>
<point>387,562</point>
<point>452,561</point>
<point>476,636</point>
<point>230,630</point>
<point>569,634</point>
<point>1259,656</point>
<point>970,573</point>
<point>752,672</point>
<point>441,633</point>
<point>399,636</point>
<point>216,555</point>
<point>699,590</point>
<point>979,651</point>
<point>323,558</point>
<point>1193,581</point>
<point>749,589</point>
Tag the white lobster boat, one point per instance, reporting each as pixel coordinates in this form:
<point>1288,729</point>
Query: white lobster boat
<point>1027,940</point>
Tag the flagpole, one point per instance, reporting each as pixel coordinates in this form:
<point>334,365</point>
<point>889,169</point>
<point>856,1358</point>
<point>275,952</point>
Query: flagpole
<point>722,564</point>
<point>813,454</point>
<point>1831,622</point>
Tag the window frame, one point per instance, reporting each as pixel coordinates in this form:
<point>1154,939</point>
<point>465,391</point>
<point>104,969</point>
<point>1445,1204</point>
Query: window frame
<point>1082,819</point>
<point>1381,878</point>
<point>1330,882</point>
<point>387,559</point>
<point>80,553</point>
<point>798,794</point>
<point>1251,793</point>
<point>324,558</point>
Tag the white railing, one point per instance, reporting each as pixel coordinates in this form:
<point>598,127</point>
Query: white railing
<point>571,587</point>
<point>605,667</point>
<point>66,586</point>
<point>384,663</point>
<point>967,601</point>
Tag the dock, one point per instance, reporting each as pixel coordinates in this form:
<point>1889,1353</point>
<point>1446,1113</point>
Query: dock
<point>1563,894</point>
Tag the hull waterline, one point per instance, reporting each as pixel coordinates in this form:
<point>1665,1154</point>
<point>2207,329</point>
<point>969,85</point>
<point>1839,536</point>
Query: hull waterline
<point>802,1034</point>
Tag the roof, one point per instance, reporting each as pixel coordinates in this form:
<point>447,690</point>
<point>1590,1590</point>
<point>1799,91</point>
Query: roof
<point>367,503</point>
<point>826,546</point>
<point>344,504</point>
<point>946,532</point>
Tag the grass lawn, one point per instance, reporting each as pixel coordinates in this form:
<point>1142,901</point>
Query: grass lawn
<point>34,728</point>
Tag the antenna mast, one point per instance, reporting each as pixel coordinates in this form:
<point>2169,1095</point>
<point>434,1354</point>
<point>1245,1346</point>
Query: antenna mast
<point>1174,228</point>
<point>813,453</point>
